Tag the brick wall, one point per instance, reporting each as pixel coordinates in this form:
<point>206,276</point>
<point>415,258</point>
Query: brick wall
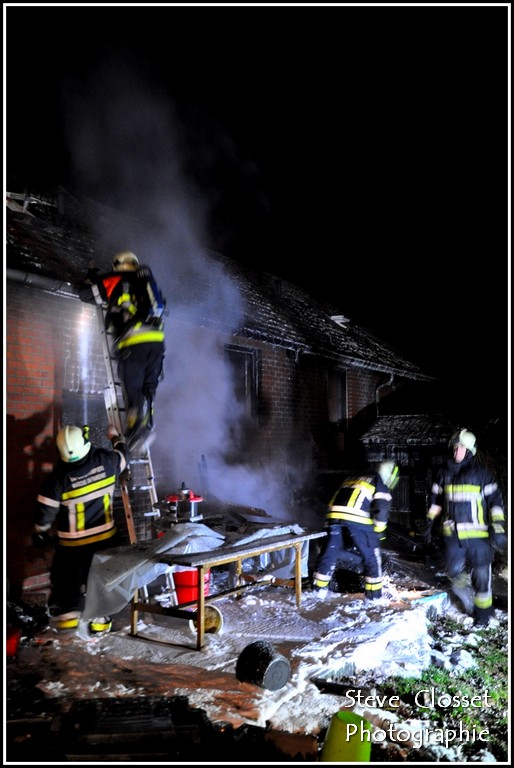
<point>56,373</point>
<point>36,329</point>
<point>276,401</point>
<point>47,384</point>
<point>361,391</point>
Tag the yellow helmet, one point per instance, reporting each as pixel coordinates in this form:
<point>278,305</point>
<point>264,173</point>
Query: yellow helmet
<point>73,444</point>
<point>125,261</point>
<point>465,438</point>
<point>389,474</point>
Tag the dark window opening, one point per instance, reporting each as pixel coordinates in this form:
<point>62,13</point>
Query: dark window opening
<point>337,410</point>
<point>244,366</point>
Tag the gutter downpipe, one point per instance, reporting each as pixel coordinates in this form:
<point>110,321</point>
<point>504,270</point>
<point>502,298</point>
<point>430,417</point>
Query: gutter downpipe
<point>42,283</point>
<point>387,383</point>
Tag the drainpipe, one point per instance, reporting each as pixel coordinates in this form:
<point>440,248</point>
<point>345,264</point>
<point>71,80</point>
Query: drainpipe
<point>48,284</point>
<point>388,383</point>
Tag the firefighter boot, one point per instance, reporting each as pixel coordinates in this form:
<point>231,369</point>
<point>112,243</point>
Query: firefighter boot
<point>132,424</point>
<point>101,625</point>
<point>150,411</point>
<point>320,584</point>
<point>136,428</point>
<point>65,621</point>
<point>461,589</point>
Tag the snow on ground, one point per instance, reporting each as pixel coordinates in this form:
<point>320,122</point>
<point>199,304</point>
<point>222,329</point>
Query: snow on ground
<point>332,634</point>
<point>339,637</point>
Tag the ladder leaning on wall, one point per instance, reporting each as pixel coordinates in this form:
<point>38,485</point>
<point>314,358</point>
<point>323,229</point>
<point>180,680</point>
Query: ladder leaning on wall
<point>138,477</point>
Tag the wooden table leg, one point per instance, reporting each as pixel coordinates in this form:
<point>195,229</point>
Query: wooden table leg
<point>298,573</point>
<point>200,615</point>
<point>134,614</point>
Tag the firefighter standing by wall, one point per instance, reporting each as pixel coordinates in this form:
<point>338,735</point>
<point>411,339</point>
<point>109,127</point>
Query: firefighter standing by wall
<point>77,499</point>
<point>473,524</point>
<point>135,308</point>
<point>359,510</point>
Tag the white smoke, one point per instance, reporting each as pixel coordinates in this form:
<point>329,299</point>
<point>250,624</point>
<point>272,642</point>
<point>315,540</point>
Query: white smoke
<point>130,151</point>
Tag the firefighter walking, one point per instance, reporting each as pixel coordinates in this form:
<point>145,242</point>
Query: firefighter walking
<point>359,510</point>
<point>467,496</point>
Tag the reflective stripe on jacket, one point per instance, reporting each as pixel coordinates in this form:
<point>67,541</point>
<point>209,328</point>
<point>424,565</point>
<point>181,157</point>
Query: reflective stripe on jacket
<point>140,333</point>
<point>78,497</point>
<point>365,500</point>
<point>128,308</point>
<point>467,495</point>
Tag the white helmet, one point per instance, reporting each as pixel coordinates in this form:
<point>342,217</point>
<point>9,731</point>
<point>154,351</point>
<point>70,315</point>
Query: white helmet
<point>73,444</point>
<point>465,438</point>
<point>389,474</point>
<point>125,261</point>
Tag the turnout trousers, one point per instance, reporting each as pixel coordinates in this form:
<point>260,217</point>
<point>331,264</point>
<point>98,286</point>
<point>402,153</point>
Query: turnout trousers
<point>140,368</point>
<point>366,541</point>
<point>69,574</point>
<point>471,558</point>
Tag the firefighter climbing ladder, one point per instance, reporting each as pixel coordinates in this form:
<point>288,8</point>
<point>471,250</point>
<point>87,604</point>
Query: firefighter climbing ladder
<point>140,468</point>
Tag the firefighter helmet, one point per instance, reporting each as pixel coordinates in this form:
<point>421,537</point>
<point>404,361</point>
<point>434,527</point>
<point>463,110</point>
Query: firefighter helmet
<point>465,438</point>
<point>73,444</point>
<point>389,474</point>
<point>125,261</point>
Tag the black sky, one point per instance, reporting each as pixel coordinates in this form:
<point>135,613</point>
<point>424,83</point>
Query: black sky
<point>360,152</point>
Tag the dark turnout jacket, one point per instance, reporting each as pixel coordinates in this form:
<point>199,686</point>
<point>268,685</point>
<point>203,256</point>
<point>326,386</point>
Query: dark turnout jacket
<point>78,497</point>
<point>364,500</point>
<point>134,307</point>
<point>467,495</point>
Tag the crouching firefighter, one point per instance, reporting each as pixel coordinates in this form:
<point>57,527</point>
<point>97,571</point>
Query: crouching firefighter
<point>359,511</point>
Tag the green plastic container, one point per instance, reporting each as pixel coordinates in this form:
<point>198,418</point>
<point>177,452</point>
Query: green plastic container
<point>348,739</point>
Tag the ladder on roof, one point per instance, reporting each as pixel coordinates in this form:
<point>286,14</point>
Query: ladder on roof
<point>138,476</point>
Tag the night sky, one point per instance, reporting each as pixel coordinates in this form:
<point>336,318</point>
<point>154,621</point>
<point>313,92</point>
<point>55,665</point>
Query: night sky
<point>359,152</point>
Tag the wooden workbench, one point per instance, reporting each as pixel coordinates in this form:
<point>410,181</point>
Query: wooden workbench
<point>203,561</point>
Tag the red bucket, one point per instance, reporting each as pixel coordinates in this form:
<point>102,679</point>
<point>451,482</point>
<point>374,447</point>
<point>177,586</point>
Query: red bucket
<point>186,584</point>
<point>13,636</point>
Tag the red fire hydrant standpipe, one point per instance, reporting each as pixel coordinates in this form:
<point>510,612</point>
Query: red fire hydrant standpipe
<point>182,507</point>
<point>185,504</point>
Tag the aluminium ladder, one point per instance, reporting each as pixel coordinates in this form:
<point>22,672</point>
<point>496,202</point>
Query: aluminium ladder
<point>115,407</point>
<point>116,416</point>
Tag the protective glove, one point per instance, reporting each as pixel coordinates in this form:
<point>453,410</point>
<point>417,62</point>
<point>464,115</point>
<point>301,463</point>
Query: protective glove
<point>41,540</point>
<point>499,542</point>
<point>92,274</point>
